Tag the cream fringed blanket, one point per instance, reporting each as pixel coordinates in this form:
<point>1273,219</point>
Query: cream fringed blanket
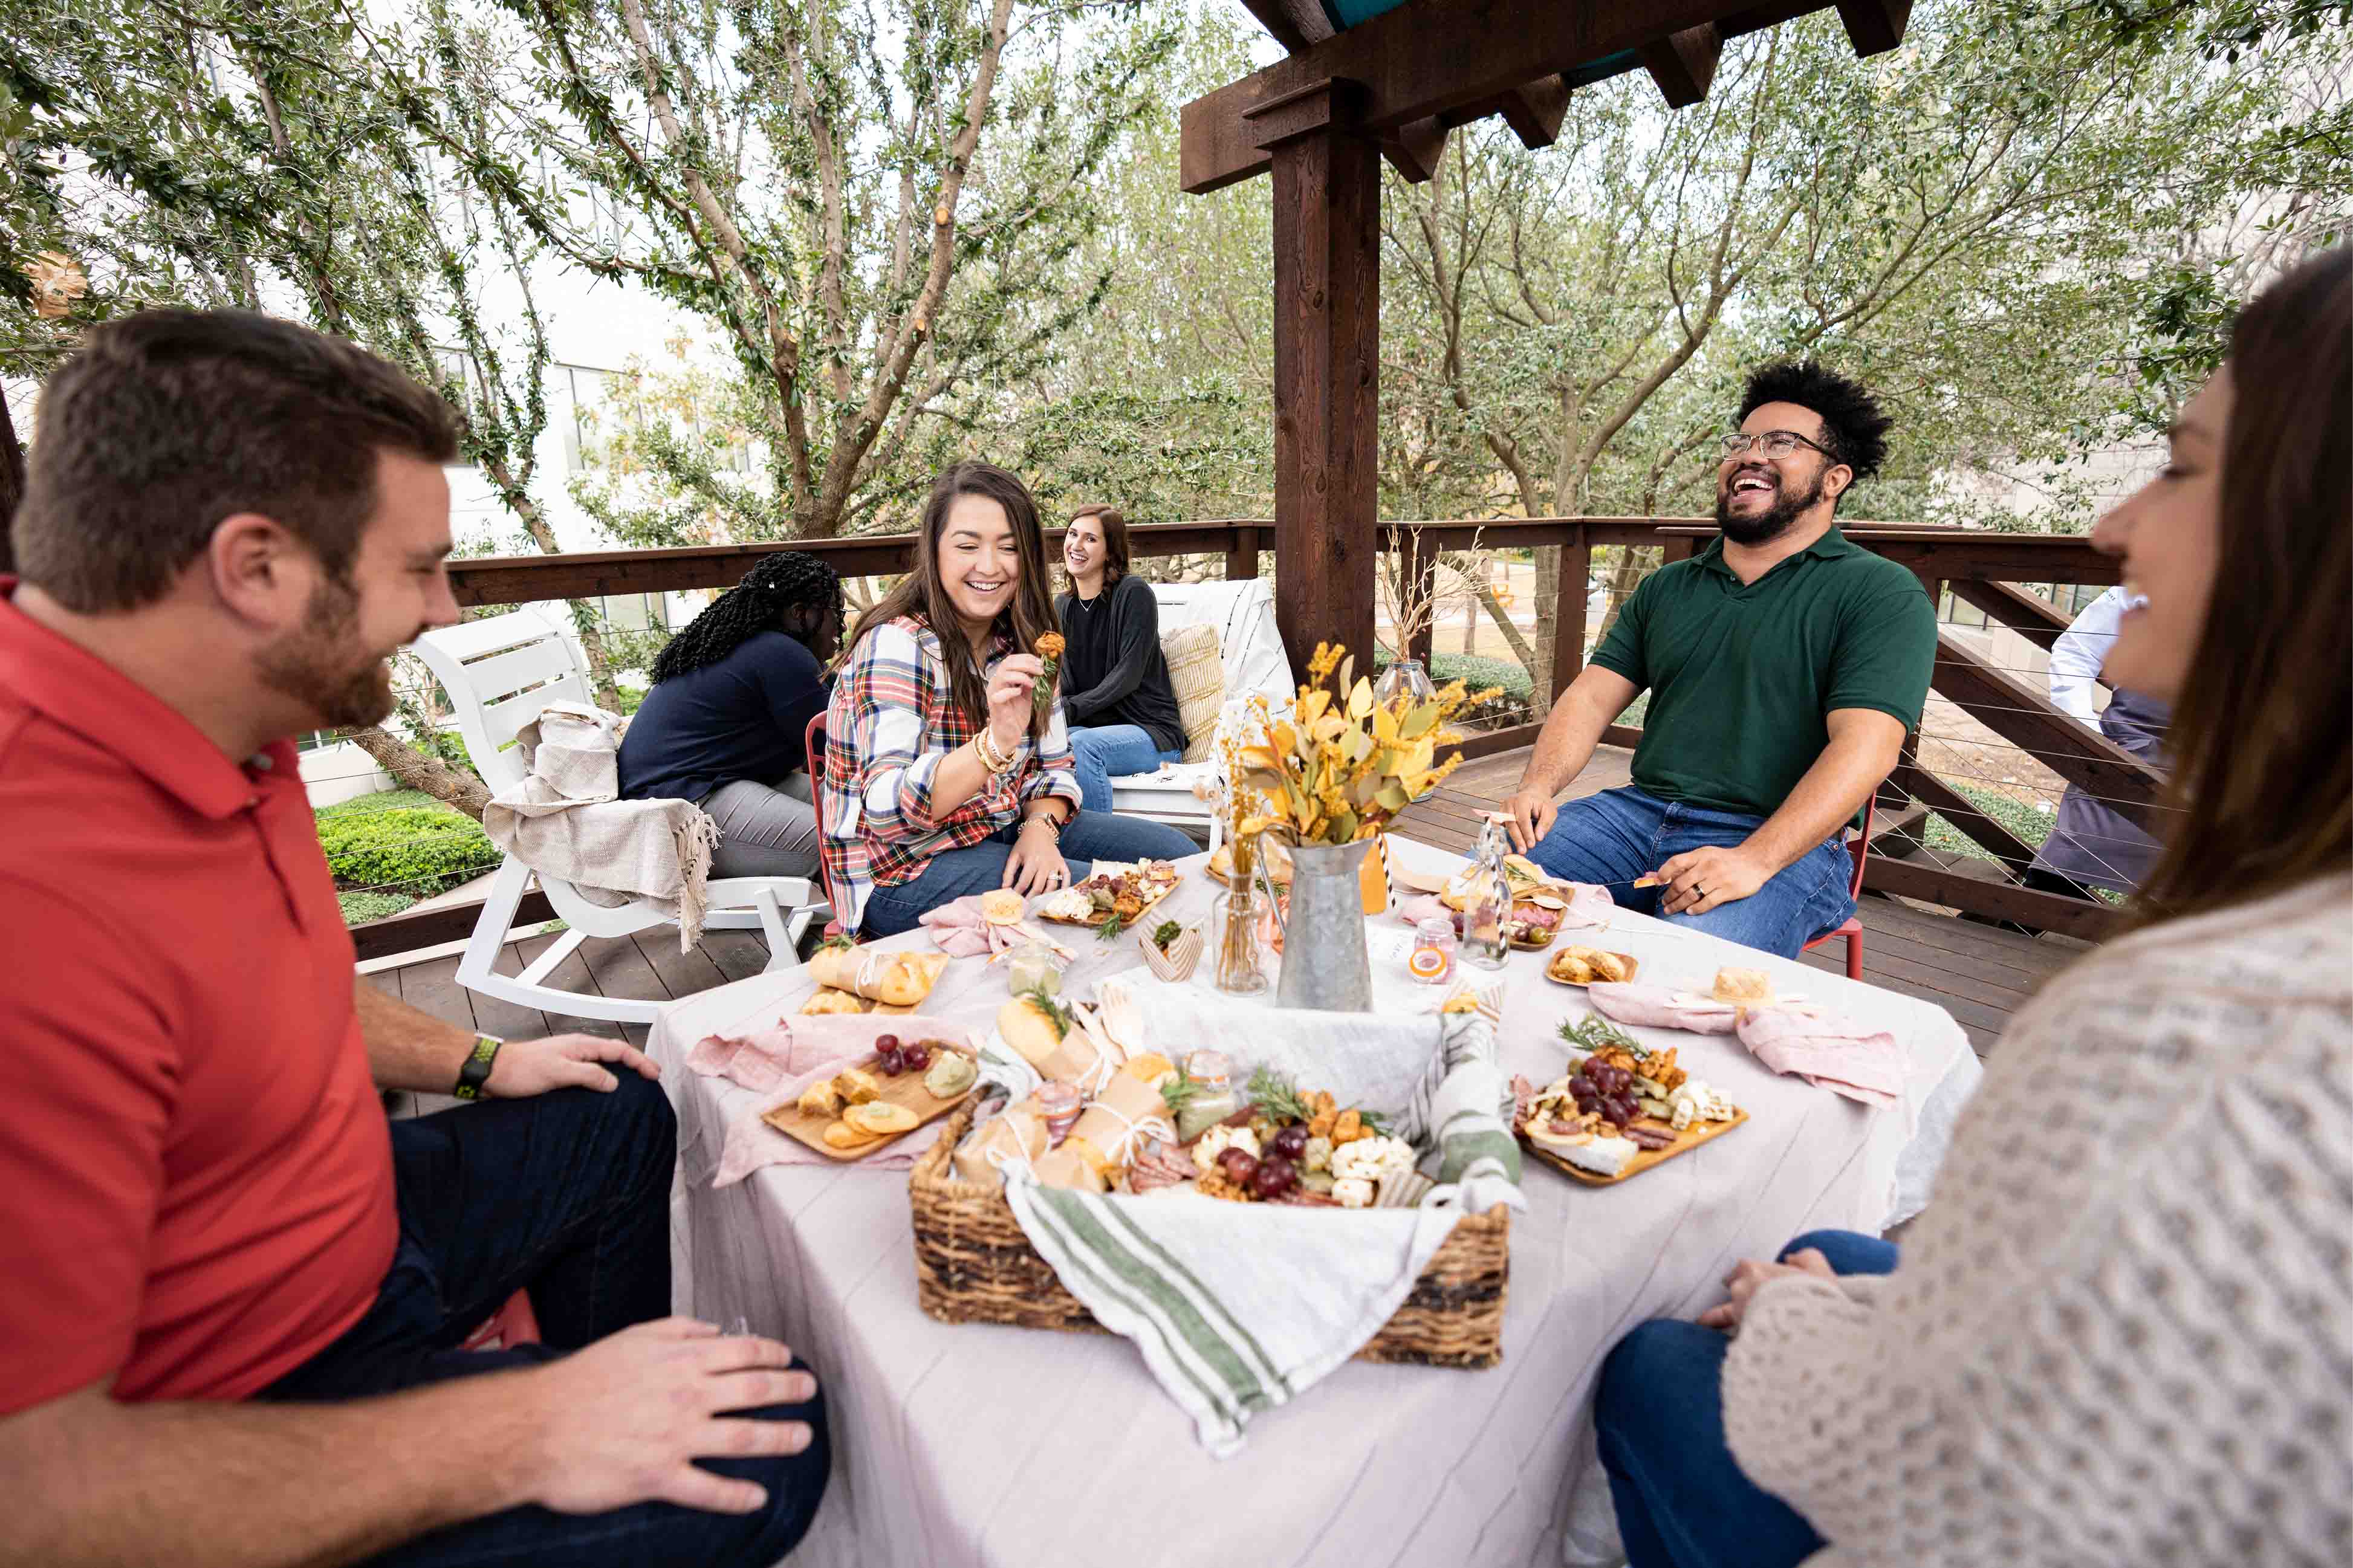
<point>564,819</point>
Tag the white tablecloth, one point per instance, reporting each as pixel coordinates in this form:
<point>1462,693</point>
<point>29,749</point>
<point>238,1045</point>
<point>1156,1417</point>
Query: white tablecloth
<point>1019,1449</point>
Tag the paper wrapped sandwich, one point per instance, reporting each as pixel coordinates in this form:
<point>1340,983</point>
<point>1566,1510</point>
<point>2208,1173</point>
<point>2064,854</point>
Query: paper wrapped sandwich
<point>1015,1137</point>
<point>1129,1109</point>
<point>900,979</point>
<point>1050,1039</point>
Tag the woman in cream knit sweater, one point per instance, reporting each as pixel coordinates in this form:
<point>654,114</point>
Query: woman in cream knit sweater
<point>2123,1333</point>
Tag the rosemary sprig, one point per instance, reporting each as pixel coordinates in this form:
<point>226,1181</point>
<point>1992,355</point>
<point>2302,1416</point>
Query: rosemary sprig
<point>843,943</point>
<point>1180,1091</point>
<point>1053,1011</point>
<point>1110,926</point>
<point>1594,1031</point>
<point>1272,1093</point>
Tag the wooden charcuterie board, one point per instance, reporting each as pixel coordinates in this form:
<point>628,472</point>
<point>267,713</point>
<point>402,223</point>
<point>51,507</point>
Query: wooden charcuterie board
<point>906,1090</point>
<point>1690,1138</point>
<point>1165,888</point>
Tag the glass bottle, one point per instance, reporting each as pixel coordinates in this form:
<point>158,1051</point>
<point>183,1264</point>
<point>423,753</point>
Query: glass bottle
<point>1235,917</point>
<point>1490,904</point>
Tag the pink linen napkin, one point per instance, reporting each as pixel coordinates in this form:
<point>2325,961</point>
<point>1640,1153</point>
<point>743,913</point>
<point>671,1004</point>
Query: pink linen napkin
<point>958,927</point>
<point>1658,1007</point>
<point>820,1045</point>
<point>757,1060</point>
<point>1828,1051</point>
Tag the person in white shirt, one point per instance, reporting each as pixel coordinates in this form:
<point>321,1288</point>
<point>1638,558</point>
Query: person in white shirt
<point>2092,844</point>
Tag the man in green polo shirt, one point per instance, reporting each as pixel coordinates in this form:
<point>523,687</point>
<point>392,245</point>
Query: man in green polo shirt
<point>1785,667</point>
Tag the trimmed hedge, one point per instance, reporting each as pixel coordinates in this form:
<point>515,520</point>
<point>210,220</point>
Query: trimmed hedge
<point>418,849</point>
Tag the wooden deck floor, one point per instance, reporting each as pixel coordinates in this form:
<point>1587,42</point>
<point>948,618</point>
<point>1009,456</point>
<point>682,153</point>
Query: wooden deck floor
<point>1979,974</point>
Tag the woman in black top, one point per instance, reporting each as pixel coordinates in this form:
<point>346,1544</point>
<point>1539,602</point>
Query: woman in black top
<point>732,699</point>
<point>1115,692</point>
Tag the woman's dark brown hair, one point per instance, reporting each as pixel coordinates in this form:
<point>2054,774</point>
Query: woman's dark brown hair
<point>1113,523</point>
<point>922,593</point>
<point>2262,731</point>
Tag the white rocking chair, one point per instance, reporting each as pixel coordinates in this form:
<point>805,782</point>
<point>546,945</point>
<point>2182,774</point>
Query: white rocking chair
<point>500,672</point>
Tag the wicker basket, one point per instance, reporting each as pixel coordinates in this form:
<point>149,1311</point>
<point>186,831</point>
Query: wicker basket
<point>974,1265</point>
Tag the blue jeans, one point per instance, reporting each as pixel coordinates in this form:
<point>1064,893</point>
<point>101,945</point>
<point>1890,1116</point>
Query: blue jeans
<point>565,1196</point>
<point>1612,837</point>
<point>1683,1502</point>
<point>1103,751</point>
<point>1089,837</point>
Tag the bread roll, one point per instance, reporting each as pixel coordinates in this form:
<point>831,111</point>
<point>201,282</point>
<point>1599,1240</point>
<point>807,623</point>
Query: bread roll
<point>1743,987</point>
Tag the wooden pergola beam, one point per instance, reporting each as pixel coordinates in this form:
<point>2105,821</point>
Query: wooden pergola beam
<point>1432,57</point>
<point>1683,64</point>
<point>1327,357</point>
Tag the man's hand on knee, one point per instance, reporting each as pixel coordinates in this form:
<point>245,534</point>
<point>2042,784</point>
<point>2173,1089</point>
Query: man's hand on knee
<point>1700,880</point>
<point>1532,813</point>
<point>525,1068</point>
<point>623,1421</point>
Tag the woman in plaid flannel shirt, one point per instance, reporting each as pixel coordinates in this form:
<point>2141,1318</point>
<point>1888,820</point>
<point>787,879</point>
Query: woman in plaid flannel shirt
<point>941,777</point>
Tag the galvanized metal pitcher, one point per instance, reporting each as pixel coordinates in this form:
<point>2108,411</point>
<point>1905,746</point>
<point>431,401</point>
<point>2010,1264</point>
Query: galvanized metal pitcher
<point>1324,962</point>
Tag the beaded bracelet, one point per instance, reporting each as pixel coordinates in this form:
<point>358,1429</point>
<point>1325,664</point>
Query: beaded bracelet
<point>985,746</point>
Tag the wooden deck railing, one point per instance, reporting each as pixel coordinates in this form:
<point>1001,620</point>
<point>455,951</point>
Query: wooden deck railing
<point>1980,568</point>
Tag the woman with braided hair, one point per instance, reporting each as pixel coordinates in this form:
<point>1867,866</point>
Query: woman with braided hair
<point>732,699</point>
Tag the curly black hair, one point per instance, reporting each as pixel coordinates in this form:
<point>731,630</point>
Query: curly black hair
<point>1853,428</point>
<point>757,604</point>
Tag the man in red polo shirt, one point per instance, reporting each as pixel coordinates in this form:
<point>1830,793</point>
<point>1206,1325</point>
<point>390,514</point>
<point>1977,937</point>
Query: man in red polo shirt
<point>233,1294</point>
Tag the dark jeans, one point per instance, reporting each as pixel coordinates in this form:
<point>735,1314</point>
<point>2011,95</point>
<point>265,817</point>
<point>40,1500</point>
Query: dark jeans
<point>565,1196</point>
<point>948,876</point>
<point>1681,1499</point>
<point>1619,835</point>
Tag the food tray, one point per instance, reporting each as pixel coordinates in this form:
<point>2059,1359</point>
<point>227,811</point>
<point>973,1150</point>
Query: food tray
<point>906,1090</point>
<point>1149,905</point>
<point>1690,1138</point>
<point>1634,966</point>
<point>974,1265</point>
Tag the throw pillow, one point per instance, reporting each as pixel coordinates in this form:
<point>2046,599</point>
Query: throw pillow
<point>1197,671</point>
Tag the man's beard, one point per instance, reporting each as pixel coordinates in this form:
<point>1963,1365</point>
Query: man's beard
<point>1771,523</point>
<point>323,665</point>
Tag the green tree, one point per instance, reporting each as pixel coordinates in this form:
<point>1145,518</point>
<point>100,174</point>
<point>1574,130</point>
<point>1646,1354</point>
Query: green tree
<point>220,153</point>
<point>869,206</point>
<point>1964,222</point>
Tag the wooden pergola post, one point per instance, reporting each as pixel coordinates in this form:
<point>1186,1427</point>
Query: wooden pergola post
<point>1327,344</point>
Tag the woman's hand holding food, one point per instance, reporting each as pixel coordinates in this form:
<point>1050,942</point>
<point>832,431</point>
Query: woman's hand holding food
<point>1009,685</point>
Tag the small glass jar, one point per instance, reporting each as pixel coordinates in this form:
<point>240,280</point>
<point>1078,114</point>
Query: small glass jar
<point>1034,966</point>
<point>1432,959</point>
<point>1235,942</point>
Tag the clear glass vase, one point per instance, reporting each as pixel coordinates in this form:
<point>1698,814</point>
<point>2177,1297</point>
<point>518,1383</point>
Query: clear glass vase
<point>1237,943</point>
<point>1404,678</point>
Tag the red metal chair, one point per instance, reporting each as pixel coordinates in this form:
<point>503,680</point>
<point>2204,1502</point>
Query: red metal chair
<point>813,749</point>
<point>1860,846</point>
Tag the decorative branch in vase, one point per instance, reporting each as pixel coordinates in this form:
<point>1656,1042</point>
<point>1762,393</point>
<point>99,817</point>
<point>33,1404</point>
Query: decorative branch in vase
<point>1327,777</point>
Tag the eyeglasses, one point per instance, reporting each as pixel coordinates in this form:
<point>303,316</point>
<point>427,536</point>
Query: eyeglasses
<point>1774,444</point>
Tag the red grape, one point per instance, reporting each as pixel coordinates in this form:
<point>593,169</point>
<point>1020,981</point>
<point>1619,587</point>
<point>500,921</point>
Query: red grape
<point>1290,1142</point>
<point>886,1042</point>
<point>891,1063</point>
<point>1239,1165</point>
<point>1274,1176</point>
<point>917,1056</point>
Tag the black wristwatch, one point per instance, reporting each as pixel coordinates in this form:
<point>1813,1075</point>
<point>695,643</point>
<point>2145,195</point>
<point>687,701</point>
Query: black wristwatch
<point>477,1070</point>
